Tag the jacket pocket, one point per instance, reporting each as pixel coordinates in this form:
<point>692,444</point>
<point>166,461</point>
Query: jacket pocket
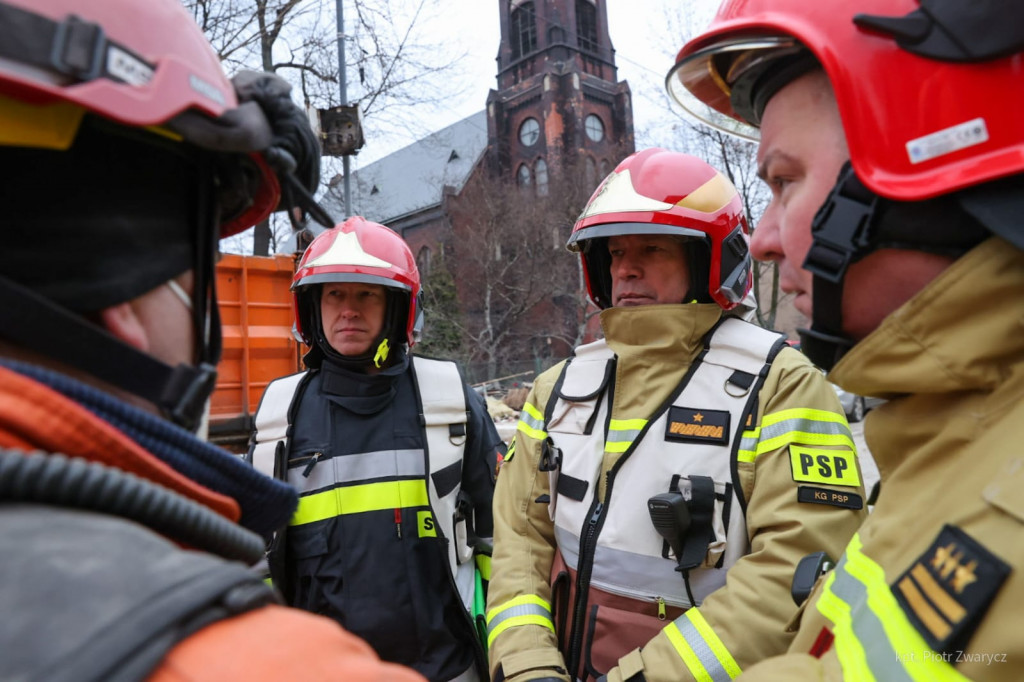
<point>306,549</point>
<point>612,633</point>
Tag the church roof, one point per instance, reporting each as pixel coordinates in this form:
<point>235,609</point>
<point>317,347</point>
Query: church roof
<point>413,178</point>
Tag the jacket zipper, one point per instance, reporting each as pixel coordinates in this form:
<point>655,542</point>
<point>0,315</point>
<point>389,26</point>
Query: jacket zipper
<point>645,597</point>
<point>312,463</point>
<point>586,565</point>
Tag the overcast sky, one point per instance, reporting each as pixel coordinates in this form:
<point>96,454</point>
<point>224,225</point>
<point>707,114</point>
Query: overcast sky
<point>646,35</point>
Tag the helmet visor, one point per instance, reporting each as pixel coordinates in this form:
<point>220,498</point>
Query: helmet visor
<point>703,82</point>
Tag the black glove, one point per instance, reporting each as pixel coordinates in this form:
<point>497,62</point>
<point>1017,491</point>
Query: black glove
<point>294,151</point>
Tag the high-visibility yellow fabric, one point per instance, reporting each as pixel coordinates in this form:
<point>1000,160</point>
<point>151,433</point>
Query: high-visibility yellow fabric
<point>356,499</point>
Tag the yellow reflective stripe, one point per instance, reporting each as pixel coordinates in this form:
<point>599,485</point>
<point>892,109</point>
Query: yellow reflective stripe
<point>533,412</point>
<point>622,433</point>
<point>716,644</point>
<point>747,451</point>
<point>483,562</point>
<point>807,413</point>
<point>517,601</point>
<point>527,609</point>
<point>868,618</point>
<point>531,422</point>
<point>516,621</point>
<point>530,431</point>
<point>802,425</point>
<point>357,499</point>
<point>626,424</point>
<point>703,652</point>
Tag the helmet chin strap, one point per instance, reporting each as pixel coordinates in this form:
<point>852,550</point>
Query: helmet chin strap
<point>36,323</point>
<point>842,234</point>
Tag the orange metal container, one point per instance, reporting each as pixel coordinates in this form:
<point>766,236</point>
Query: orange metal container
<point>256,313</point>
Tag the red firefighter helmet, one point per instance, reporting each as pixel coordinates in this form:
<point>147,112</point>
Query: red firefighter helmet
<point>358,250</point>
<point>139,64</point>
<point>661,192</point>
<point>928,91</point>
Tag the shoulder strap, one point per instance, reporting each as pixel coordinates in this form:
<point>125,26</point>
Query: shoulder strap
<point>743,346</point>
<point>273,422</point>
<point>126,595</point>
<point>586,373</point>
<point>444,417</point>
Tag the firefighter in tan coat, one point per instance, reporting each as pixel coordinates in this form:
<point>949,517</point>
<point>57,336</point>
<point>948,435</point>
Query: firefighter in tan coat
<point>911,264</point>
<point>665,482</point>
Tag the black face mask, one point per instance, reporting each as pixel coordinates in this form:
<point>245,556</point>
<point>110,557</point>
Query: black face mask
<point>134,211</point>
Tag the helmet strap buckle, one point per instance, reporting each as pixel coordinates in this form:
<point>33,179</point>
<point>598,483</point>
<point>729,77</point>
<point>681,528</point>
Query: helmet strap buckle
<point>78,49</point>
<point>192,386</point>
<point>841,228</point>
<point>842,234</point>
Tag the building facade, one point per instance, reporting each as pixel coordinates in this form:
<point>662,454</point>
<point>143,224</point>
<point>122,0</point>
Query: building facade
<point>494,196</point>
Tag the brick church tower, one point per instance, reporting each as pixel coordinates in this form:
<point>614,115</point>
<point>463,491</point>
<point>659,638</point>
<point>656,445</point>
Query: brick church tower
<point>558,102</point>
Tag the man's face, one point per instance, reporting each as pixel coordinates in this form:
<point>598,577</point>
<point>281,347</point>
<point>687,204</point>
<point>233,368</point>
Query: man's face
<point>648,269</point>
<point>802,150</point>
<point>353,315</point>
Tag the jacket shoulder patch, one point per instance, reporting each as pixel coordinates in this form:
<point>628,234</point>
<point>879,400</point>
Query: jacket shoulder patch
<point>818,465</point>
<point>835,498</point>
<point>947,591</point>
<point>687,424</point>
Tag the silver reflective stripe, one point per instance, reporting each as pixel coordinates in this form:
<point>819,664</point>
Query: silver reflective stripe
<point>804,425</point>
<point>867,627</point>
<point>623,435</point>
<point>515,611</point>
<point>359,468</point>
<point>531,422</point>
<point>748,443</point>
<point>636,575</point>
<point>707,657</point>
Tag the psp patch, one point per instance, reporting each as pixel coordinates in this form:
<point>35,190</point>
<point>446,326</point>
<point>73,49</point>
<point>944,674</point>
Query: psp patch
<point>835,498</point>
<point>831,467</point>
<point>697,426</point>
<point>947,591</point>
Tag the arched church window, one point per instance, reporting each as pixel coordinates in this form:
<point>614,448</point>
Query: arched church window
<point>541,171</point>
<point>524,178</point>
<point>586,25</point>
<point>523,29</point>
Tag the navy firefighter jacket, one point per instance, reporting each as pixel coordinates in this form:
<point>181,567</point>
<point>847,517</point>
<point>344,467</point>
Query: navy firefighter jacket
<point>379,568</point>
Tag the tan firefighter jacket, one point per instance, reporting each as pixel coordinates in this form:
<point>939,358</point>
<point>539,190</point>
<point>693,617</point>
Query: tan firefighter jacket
<point>931,586</point>
<point>794,415</point>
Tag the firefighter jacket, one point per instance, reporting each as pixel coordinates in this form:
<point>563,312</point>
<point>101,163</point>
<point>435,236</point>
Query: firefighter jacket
<point>395,473</point>
<point>82,604</point>
<point>761,452</point>
<point>930,587</point>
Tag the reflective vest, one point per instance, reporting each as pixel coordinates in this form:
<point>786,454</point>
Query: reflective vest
<point>444,418</point>
<point>689,445</point>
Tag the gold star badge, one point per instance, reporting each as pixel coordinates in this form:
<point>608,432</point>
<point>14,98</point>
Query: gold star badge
<point>698,417</point>
<point>964,576</point>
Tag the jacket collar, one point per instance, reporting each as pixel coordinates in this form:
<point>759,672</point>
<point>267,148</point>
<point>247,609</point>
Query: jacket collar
<point>960,333</point>
<point>942,358</point>
<point>656,333</point>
